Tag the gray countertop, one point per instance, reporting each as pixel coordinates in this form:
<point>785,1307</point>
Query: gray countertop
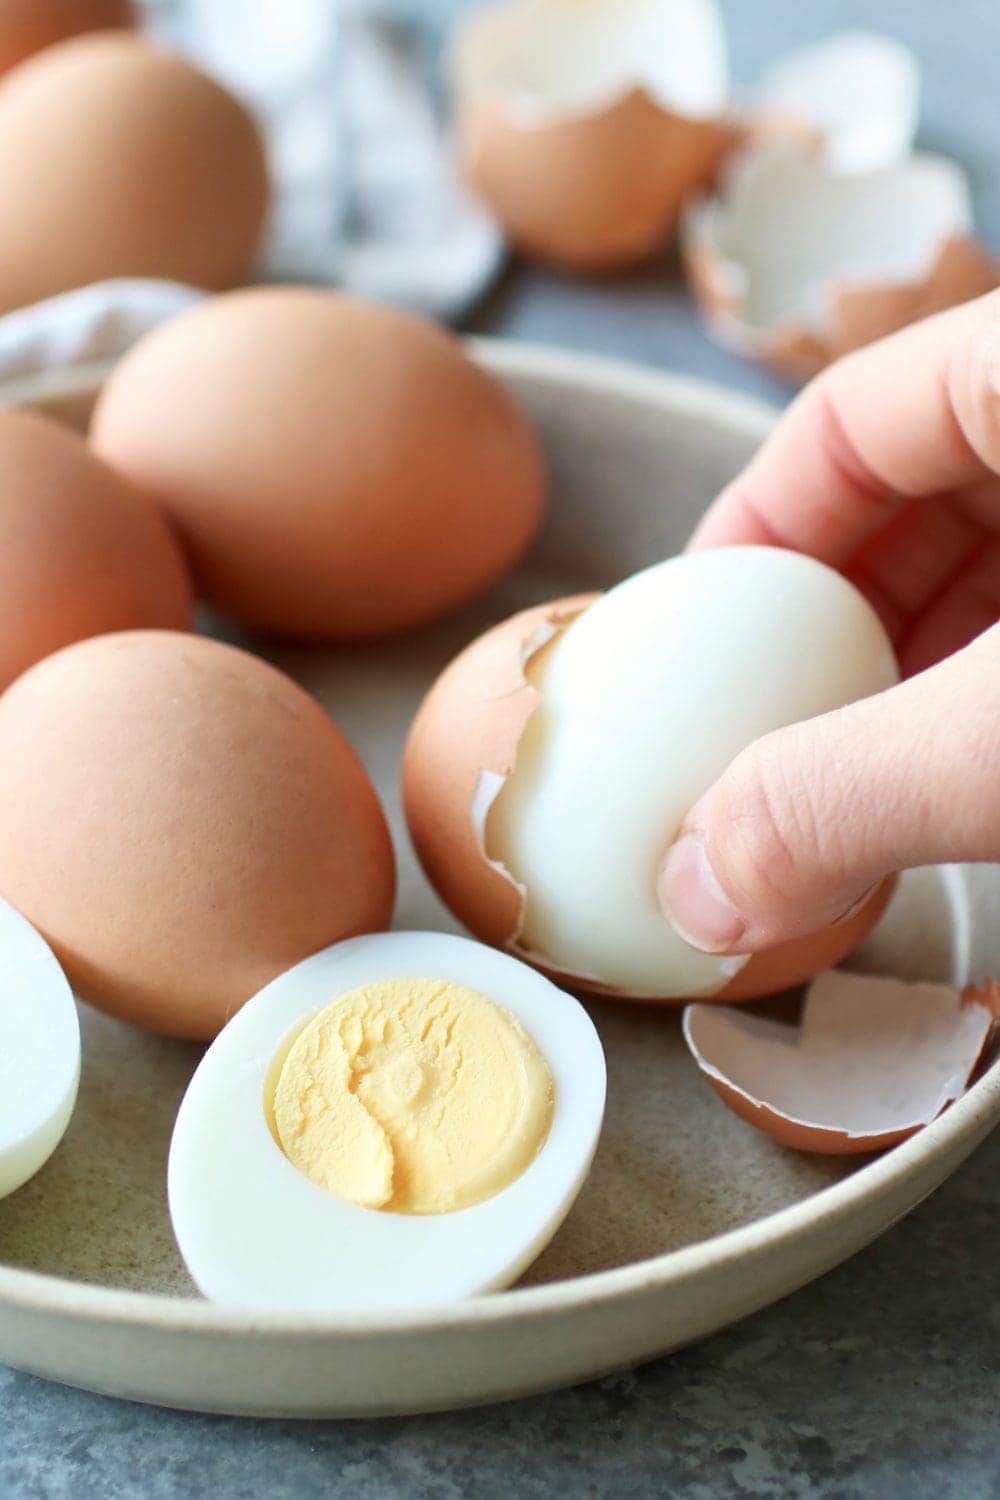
<point>881,1379</point>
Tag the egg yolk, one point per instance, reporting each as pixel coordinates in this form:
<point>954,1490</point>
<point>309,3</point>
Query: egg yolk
<point>417,1096</point>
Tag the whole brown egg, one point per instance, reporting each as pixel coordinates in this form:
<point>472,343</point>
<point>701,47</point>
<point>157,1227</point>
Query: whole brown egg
<point>182,823</point>
<point>121,159</point>
<point>335,468</point>
<point>82,551</point>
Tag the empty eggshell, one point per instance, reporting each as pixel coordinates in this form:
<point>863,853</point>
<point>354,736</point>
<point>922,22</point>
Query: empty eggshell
<point>182,822</point>
<point>26,26</point>
<point>855,95</point>
<point>82,552</point>
<point>122,159</point>
<point>335,468</point>
<point>585,127</point>
<point>795,264</point>
<point>463,748</point>
<point>871,1062</point>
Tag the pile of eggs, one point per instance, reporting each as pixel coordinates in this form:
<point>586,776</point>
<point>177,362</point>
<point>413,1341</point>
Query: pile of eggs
<point>182,827</point>
<point>187,839</point>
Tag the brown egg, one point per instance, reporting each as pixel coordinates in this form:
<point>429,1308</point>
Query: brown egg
<point>121,159</point>
<point>82,552</point>
<point>26,26</point>
<point>464,741</point>
<point>182,823</point>
<point>336,469</point>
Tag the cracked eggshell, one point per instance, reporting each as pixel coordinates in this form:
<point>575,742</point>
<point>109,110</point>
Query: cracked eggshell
<point>585,127</point>
<point>463,745</point>
<point>794,264</point>
<point>871,1062</point>
<point>854,97</point>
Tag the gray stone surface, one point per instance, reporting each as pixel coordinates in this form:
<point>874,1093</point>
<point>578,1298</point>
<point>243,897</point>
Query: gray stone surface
<point>883,1379</point>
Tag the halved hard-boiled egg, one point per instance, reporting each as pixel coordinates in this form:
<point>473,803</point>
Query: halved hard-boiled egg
<point>554,760</point>
<point>402,1119</point>
<point>39,1051</point>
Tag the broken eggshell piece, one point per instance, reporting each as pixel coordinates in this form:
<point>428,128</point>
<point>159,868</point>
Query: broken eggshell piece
<point>854,97</point>
<point>470,731</point>
<point>585,125</point>
<point>795,264</point>
<point>871,1061</point>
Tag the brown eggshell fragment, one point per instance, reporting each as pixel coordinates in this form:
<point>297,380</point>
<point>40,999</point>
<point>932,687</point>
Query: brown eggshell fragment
<point>795,265</point>
<point>594,193</point>
<point>871,1061</point>
<point>182,823</point>
<point>584,128</point>
<point>461,746</point>
<point>26,26</point>
<point>123,159</point>
<point>82,551</point>
<point>336,469</point>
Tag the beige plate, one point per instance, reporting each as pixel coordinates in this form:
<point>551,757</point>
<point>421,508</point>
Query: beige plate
<point>689,1219</point>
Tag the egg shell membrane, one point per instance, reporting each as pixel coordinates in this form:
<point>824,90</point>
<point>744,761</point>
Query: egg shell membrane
<point>593,192</point>
<point>463,745</point>
<point>857,311</point>
<point>868,83</point>
<point>801,1135</point>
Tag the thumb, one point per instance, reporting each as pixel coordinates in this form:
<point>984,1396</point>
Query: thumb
<point>807,820</point>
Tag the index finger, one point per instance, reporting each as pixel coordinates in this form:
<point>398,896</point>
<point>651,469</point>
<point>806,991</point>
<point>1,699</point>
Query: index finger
<point>916,414</point>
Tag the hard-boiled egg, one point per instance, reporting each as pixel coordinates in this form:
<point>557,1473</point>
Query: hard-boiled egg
<point>39,1051</point>
<point>555,759</point>
<point>403,1119</point>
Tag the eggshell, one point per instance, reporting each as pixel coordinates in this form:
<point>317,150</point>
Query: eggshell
<point>596,192</point>
<point>794,264</point>
<point>26,26</point>
<point>182,822</point>
<point>583,129</point>
<point>872,1061</point>
<point>461,747</point>
<point>336,469</point>
<point>854,96</point>
<point>82,552</point>
<point>122,159</point>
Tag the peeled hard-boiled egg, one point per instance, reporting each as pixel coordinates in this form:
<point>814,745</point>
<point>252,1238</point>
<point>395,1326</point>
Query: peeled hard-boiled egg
<point>122,159</point>
<point>39,1051</point>
<point>403,1119</point>
<point>26,26</point>
<point>82,552</point>
<point>336,469</point>
<point>182,822</point>
<point>555,759</point>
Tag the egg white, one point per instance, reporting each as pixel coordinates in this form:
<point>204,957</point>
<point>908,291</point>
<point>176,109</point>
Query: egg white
<point>256,1232</point>
<point>39,1051</point>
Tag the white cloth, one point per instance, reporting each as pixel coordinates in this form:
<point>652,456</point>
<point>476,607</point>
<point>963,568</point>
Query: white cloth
<point>367,194</point>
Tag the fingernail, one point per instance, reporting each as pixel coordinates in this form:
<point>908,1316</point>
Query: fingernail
<point>693,901</point>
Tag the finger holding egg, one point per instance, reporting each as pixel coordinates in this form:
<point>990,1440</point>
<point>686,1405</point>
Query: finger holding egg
<point>27,26</point>
<point>556,758</point>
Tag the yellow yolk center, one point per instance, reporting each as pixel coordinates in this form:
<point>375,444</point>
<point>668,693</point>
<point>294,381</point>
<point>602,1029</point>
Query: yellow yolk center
<point>412,1095</point>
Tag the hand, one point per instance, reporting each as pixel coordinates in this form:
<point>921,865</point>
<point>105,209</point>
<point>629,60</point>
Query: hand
<point>887,467</point>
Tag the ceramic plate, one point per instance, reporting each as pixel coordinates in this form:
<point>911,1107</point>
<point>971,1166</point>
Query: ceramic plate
<point>689,1219</point>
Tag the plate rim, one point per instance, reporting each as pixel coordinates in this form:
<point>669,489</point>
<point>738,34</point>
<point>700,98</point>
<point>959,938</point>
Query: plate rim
<point>962,1124</point>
